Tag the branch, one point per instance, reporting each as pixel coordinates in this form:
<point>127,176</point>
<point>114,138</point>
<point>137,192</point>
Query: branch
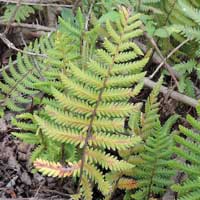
<point>34,3</point>
<point>167,66</point>
<point>12,17</point>
<point>10,45</point>
<point>30,26</point>
<point>168,56</point>
<point>174,95</point>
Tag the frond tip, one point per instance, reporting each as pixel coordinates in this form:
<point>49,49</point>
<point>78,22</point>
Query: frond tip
<point>55,169</point>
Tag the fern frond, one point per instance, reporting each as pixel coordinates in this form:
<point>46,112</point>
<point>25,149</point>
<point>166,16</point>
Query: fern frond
<point>18,86</point>
<point>188,190</point>
<point>188,151</point>
<point>107,161</point>
<point>153,174</point>
<point>22,14</point>
<point>86,188</point>
<point>93,103</point>
<point>55,169</point>
<point>127,183</point>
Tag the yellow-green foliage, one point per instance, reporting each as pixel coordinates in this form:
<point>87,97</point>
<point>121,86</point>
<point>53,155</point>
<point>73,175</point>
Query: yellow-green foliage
<point>151,173</point>
<point>94,104</point>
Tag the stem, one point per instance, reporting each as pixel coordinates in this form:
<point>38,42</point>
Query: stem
<point>89,130</point>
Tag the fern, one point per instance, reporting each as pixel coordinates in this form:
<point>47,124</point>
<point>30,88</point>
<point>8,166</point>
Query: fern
<point>85,117</point>
<point>44,148</point>
<point>22,83</point>
<point>18,84</point>
<point>59,55</point>
<point>151,173</point>
<point>189,151</point>
<point>22,13</point>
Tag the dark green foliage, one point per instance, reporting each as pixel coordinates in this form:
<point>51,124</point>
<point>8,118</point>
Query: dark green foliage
<point>189,152</point>
<point>23,12</point>
<point>17,86</point>
<point>153,173</point>
<point>151,156</point>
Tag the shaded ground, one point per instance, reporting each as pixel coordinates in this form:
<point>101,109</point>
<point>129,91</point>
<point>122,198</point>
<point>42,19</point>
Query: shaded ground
<point>16,178</point>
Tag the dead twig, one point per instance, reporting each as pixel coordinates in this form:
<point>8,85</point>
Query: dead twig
<point>167,66</point>
<point>37,3</point>
<point>36,27</point>
<point>12,18</point>
<point>173,94</point>
<point>75,5</point>
<point>157,59</point>
<point>10,45</point>
<point>168,56</point>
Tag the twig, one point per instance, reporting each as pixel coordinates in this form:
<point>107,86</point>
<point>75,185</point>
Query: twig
<point>174,95</point>
<point>169,55</point>
<point>167,66</point>
<point>12,17</point>
<point>33,3</point>
<point>10,45</point>
<point>88,15</point>
<point>75,5</point>
<point>30,199</point>
<point>156,59</point>
<point>30,26</point>
<point>94,112</point>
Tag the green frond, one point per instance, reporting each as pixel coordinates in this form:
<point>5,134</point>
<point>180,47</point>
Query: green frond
<point>188,190</point>
<point>190,11</point>
<point>107,161</point>
<point>97,177</point>
<point>24,125</point>
<point>66,119</point>
<point>71,104</point>
<point>18,82</point>
<point>130,45</point>
<point>153,174</point>
<point>37,152</point>
<point>70,29</point>
<point>151,109</point>
<point>78,90</point>
<point>120,81</point>
<point>86,188</point>
<point>112,33</point>
<point>113,142</point>
<point>22,14</point>
<point>188,150</point>
<point>115,109</point>
<point>60,134</point>
<point>83,76</point>
<point>29,138</point>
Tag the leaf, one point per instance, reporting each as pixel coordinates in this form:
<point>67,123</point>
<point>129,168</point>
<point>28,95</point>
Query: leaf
<point>189,88</point>
<point>111,16</point>
<point>181,84</point>
<point>162,33</point>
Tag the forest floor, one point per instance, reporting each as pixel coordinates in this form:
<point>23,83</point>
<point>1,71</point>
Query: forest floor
<point>16,177</point>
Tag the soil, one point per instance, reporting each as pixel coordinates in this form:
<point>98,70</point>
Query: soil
<point>17,179</point>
